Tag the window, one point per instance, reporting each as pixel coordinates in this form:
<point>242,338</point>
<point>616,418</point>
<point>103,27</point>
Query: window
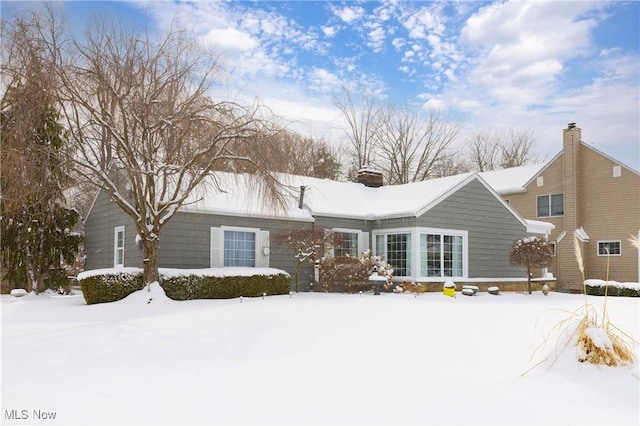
<point>609,248</point>
<point>239,248</point>
<point>550,205</point>
<point>396,248</point>
<point>346,243</point>
<point>441,255</point>
<point>118,246</point>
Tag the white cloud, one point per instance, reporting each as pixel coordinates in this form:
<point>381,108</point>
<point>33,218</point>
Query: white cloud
<point>398,43</point>
<point>329,31</point>
<point>376,38</point>
<point>324,81</point>
<point>422,23</point>
<point>434,104</point>
<point>229,38</point>
<point>349,14</point>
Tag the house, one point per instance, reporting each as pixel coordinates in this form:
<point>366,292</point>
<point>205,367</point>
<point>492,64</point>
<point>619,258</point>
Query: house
<point>587,195</point>
<point>454,228</point>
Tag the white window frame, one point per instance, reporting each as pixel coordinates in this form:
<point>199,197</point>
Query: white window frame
<point>255,231</point>
<point>415,258</point>
<point>443,232</point>
<point>118,251</point>
<point>548,197</point>
<point>608,242</point>
<point>262,250</point>
<point>363,240</point>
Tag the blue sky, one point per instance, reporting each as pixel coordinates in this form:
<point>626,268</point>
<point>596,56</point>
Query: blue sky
<point>522,65</point>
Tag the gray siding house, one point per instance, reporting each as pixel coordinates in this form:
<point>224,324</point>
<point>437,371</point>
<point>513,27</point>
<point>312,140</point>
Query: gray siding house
<point>453,228</point>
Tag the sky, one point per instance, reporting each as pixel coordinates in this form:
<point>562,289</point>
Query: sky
<point>526,65</point>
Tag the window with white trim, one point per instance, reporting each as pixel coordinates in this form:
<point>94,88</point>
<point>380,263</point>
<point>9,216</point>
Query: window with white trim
<point>441,255</point>
<point>550,205</point>
<point>396,249</point>
<point>118,246</point>
<point>609,248</point>
<point>345,243</point>
<point>239,248</point>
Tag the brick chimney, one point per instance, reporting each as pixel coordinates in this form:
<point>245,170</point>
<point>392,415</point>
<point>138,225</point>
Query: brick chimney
<point>369,177</point>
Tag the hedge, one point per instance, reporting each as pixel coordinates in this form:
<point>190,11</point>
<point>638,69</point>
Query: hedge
<point>110,286</point>
<point>189,287</point>
<point>611,290</point>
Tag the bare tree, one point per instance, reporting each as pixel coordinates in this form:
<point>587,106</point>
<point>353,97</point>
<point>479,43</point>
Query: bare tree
<point>413,146</point>
<point>500,149</point>
<point>288,152</point>
<point>145,129</point>
<point>483,151</point>
<point>515,148</point>
<point>362,125</point>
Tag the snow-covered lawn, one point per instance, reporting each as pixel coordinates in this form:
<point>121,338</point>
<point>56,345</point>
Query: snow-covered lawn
<point>307,359</point>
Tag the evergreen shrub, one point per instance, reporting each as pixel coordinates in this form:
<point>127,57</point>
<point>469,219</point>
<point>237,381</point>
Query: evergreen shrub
<point>110,287</point>
<point>190,287</point>
<point>611,290</point>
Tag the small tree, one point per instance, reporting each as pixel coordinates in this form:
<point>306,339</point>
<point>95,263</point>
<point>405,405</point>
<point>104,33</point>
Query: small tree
<point>531,252</point>
<point>308,244</point>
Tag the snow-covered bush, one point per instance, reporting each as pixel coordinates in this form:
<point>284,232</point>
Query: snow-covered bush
<point>109,285</point>
<point>351,273</point>
<point>411,287</point>
<point>611,288</point>
<point>530,252</point>
<point>195,286</point>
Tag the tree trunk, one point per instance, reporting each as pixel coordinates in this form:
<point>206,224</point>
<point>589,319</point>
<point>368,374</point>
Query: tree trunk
<point>150,251</point>
<point>529,280</point>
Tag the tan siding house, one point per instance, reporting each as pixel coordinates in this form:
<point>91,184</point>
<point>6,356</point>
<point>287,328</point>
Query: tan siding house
<point>586,193</point>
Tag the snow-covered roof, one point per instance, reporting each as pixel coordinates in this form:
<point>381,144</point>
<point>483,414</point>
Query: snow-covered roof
<point>322,197</point>
<point>512,180</point>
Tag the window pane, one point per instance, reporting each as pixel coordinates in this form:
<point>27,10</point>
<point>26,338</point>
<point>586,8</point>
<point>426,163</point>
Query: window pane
<point>399,253</point>
<point>380,251</point>
<point>543,205</point>
<point>557,205</point>
<point>239,248</point>
<point>119,249</point>
<point>346,243</point>
<point>452,256</point>
<point>609,248</point>
<point>430,255</point>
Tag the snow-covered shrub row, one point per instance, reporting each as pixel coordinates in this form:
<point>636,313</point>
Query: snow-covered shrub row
<point>216,286</point>
<point>109,285</point>
<point>611,288</point>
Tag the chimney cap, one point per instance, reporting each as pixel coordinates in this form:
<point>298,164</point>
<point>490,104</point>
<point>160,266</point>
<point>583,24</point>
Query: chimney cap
<point>572,125</point>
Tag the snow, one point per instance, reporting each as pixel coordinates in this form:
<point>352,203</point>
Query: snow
<point>603,283</point>
<point>202,272</point>
<point>322,197</point>
<point>513,179</point>
<point>309,358</point>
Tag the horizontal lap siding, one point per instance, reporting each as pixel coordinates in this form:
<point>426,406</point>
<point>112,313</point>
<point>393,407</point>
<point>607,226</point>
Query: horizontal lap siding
<point>186,240</point>
<point>100,224</point>
<point>491,227</point>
